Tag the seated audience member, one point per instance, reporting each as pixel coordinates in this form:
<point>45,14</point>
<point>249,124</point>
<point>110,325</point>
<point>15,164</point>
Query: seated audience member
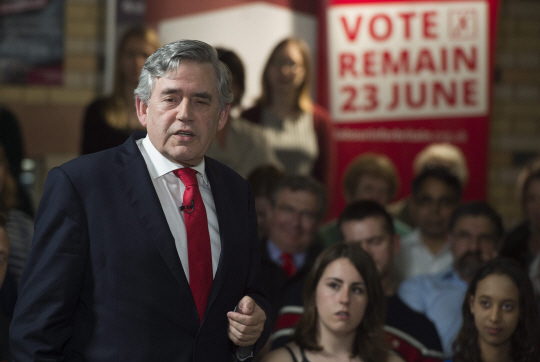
<point>369,176</point>
<point>263,181</point>
<point>109,121</point>
<point>410,333</point>
<point>434,155</point>
<point>4,320</point>
<point>298,205</point>
<point>523,242</point>
<point>344,312</point>
<point>299,131</point>
<point>500,317</point>
<point>435,195</point>
<point>241,145</point>
<point>475,236</point>
<point>19,225</point>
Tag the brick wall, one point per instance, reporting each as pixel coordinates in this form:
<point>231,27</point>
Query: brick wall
<point>50,116</point>
<point>515,127</point>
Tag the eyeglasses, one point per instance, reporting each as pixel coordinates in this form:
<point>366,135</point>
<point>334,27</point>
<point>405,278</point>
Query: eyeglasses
<point>290,211</point>
<point>440,202</point>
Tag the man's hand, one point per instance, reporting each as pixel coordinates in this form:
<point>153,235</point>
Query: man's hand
<point>247,323</point>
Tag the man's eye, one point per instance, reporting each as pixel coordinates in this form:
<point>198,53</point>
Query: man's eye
<point>447,201</point>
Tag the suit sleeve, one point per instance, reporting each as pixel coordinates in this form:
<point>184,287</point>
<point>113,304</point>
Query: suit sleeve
<point>253,288</point>
<point>53,276</point>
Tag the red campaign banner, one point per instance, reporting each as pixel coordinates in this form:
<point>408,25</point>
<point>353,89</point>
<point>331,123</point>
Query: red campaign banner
<point>400,75</point>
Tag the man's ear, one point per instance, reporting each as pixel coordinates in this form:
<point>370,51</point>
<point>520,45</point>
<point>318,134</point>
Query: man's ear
<point>142,109</point>
<point>223,116</point>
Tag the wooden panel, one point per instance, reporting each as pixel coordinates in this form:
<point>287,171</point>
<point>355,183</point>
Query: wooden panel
<point>49,128</point>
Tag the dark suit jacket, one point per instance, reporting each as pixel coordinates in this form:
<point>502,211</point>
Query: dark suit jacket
<point>103,281</point>
<point>281,289</point>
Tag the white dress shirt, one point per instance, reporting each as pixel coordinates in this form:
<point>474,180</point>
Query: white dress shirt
<point>170,191</point>
<point>415,258</point>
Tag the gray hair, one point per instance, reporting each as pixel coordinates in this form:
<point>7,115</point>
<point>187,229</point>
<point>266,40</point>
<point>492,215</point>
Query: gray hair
<point>167,59</point>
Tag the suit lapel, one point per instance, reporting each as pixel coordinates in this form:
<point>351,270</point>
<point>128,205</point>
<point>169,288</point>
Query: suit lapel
<point>136,183</point>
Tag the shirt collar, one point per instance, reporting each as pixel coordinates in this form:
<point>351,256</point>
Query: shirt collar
<point>162,165</point>
<point>275,255</point>
<point>450,273</point>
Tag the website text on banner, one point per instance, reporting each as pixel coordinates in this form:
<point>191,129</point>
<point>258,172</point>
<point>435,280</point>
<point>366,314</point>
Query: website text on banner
<point>404,74</point>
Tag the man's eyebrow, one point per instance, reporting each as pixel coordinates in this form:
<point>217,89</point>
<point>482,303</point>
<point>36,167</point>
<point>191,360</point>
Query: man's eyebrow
<point>170,91</point>
<point>204,95</point>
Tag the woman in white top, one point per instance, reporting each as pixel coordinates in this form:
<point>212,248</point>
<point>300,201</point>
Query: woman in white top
<point>299,131</point>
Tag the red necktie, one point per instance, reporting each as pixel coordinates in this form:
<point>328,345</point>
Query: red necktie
<point>288,264</point>
<point>198,239</point>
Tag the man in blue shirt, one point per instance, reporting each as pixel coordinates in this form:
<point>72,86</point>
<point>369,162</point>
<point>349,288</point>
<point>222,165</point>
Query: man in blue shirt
<point>475,234</point>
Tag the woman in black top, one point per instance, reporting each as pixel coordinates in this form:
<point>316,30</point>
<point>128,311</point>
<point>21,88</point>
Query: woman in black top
<point>344,307</point>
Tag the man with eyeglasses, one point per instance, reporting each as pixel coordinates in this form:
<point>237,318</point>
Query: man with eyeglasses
<point>436,193</point>
<point>298,205</point>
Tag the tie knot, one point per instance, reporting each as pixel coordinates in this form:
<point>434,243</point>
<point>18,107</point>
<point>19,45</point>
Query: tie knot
<point>288,264</point>
<point>187,175</point>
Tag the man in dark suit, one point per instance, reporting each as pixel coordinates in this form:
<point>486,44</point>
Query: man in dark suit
<point>112,273</point>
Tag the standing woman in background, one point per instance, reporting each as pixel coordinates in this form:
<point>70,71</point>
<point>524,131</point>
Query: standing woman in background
<point>109,121</point>
<point>299,131</point>
<point>500,317</point>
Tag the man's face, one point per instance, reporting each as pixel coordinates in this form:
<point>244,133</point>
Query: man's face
<point>473,241</point>
<point>374,188</point>
<point>374,239</point>
<point>183,116</point>
<point>4,253</point>
<point>293,220</point>
<point>432,206</point>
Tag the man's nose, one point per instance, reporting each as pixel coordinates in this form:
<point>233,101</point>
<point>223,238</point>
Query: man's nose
<point>184,110</point>
<point>296,217</point>
<point>474,244</point>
